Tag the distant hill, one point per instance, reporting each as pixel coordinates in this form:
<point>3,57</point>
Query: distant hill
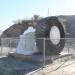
<point>19,27</point>
<point>16,29</point>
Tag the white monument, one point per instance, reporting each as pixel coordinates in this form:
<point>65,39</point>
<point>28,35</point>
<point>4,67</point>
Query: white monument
<point>27,43</point>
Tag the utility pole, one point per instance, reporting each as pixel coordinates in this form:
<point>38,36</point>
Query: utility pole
<point>48,12</point>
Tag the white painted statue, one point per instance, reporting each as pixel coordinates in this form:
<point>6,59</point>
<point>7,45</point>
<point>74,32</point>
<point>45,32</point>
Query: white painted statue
<point>27,43</point>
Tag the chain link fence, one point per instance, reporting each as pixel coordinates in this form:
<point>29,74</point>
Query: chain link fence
<point>61,64</point>
<point>8,45</point>
<point>50,62</point>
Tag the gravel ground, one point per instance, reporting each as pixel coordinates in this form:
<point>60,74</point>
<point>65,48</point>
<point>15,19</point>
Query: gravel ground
<point>63,68</point>
<point>57,68</point>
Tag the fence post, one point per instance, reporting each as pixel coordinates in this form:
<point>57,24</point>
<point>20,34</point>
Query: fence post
<point>9,45</point>
<point>67,44</point>
<point>1,47</point>
<point>44,53</point>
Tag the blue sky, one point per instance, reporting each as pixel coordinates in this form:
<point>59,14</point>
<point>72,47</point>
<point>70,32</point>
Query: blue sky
<point>11,10</point>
